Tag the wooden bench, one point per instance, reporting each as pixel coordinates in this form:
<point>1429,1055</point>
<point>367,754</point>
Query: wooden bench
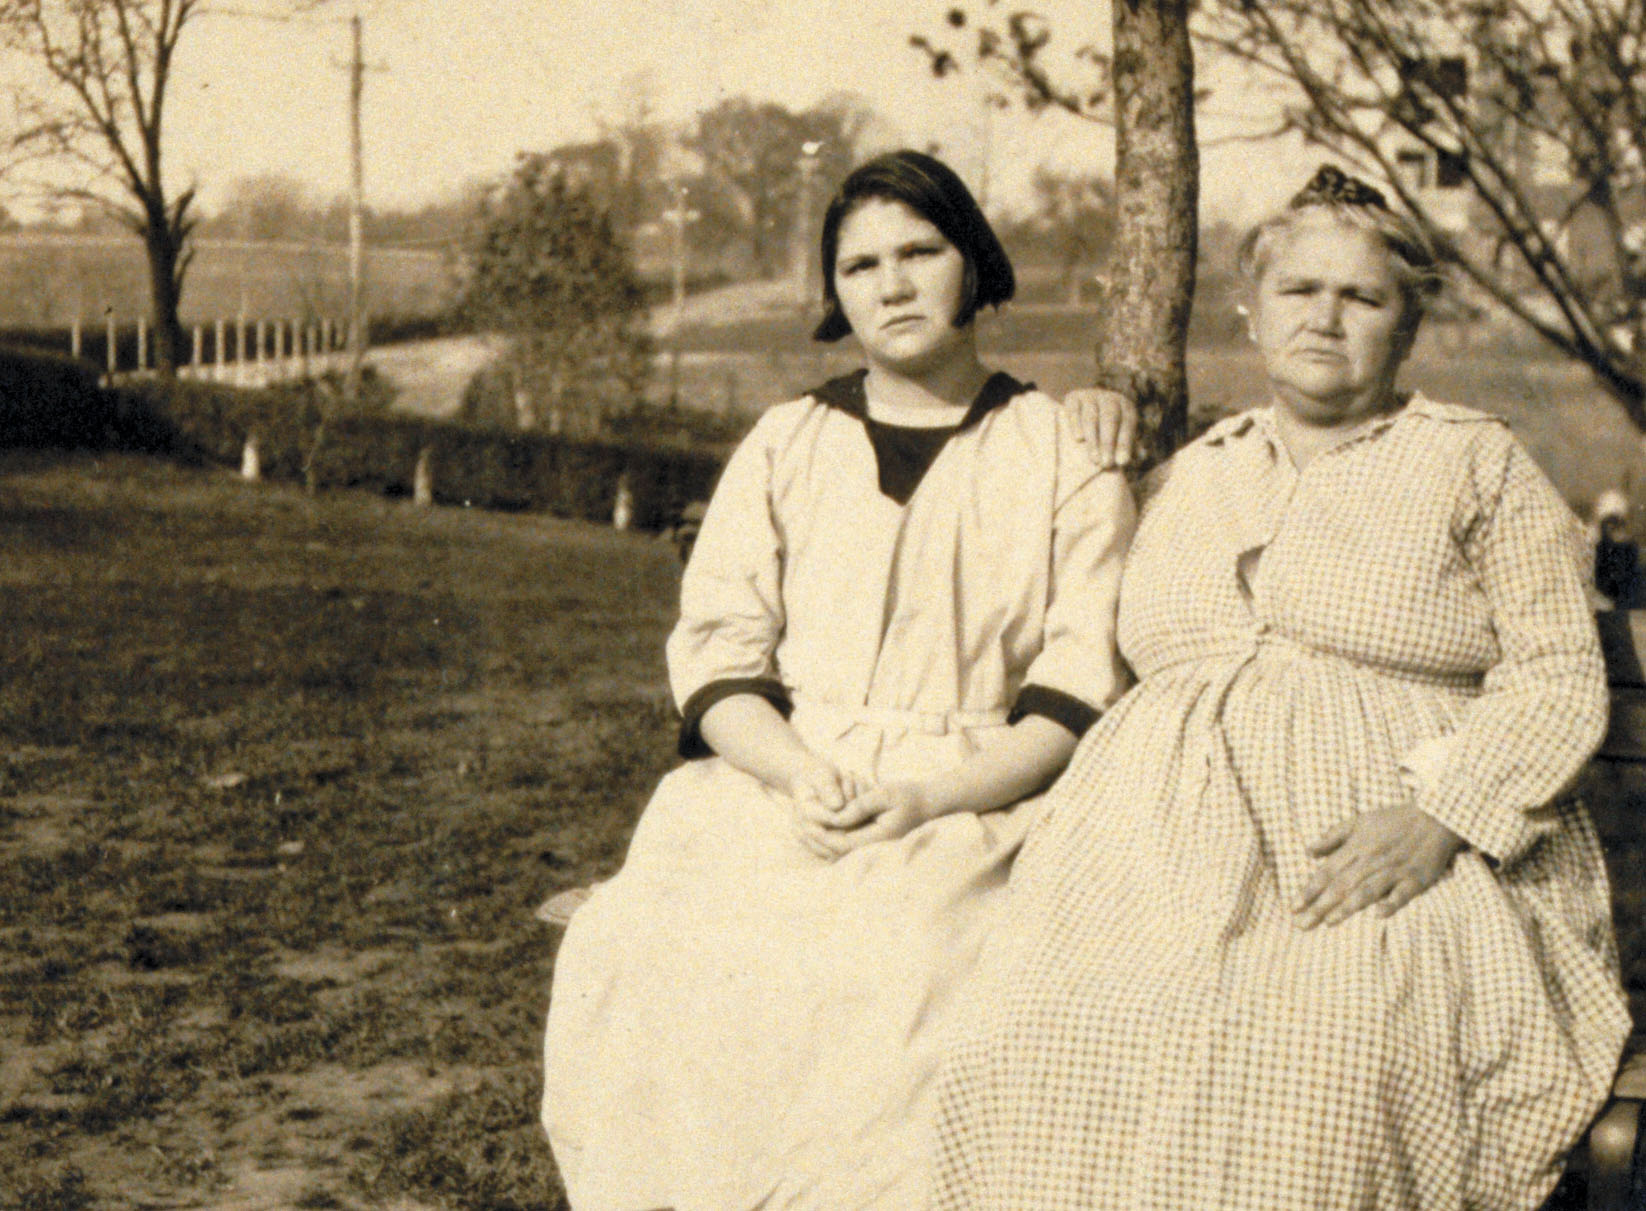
<point>1608,1168</point>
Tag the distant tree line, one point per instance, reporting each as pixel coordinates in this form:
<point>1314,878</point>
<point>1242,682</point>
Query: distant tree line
<point>272,208</point>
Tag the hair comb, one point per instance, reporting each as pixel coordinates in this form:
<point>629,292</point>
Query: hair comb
<point>1331,186</point>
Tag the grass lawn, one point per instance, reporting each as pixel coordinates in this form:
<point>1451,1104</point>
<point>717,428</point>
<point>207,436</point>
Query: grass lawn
<point>280,782</point>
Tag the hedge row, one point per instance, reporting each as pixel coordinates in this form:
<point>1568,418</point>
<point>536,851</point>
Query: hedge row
<point>567,477</point>
<point>50,400</point>
<point>488,402</point>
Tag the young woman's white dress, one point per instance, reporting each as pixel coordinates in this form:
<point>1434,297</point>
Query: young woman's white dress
<point>736,1023</point>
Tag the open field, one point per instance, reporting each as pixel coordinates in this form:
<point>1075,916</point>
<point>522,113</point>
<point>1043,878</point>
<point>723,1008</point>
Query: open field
<point>741,348</point>
<point>280,783</point>
<point>1578,434</point>
<point>51,279</point>
<point>281,780</point>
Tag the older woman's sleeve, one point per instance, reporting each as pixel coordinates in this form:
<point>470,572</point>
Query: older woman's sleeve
<point>1079,671</point>
<point>731,607</point>
<point>1542,710</point>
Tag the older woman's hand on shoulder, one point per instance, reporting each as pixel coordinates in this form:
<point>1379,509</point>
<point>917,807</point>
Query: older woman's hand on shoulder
<point>1105,422</point>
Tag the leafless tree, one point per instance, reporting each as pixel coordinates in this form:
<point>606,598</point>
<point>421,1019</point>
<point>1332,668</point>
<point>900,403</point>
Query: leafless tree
<point>1144,86</point>
<point>1533,112</point>
<point>1074,220</point>
<point>752,165</point>
<point>104,68</point>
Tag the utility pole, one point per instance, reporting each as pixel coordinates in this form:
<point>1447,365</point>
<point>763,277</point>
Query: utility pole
<point>801,241</point>
<point>677,225</point>
<point>991,101</point>
<point>677,216</point>
<point>357,203</point>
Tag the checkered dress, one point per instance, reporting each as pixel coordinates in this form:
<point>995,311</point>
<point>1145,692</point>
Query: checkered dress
<point>1404,620</point>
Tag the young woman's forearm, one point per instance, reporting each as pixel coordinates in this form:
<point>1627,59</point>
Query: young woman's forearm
<point>1014,762</point>
<point>748,732</point>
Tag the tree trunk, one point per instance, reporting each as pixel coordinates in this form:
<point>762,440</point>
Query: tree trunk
<point>165,293</point>
<point>1145,326</point>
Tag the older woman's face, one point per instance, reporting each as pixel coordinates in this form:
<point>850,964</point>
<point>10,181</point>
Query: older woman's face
<point>1329,322</point>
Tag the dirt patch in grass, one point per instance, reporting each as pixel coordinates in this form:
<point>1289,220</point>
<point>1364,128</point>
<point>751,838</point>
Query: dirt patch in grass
<point>281,781</point>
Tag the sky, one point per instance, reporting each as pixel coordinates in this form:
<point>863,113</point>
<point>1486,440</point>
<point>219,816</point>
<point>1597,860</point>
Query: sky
<point>456,88</point>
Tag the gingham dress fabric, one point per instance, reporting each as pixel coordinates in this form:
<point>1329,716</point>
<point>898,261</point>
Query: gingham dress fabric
<point>1404,619</point>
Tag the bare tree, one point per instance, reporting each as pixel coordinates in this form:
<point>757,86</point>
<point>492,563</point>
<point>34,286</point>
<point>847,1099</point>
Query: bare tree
<point>1533,111</point>
<point>105,66</point>
<point>267,206</point>
<point>1145,87</point>
<point>1074,222</point>
<point>752,155</point>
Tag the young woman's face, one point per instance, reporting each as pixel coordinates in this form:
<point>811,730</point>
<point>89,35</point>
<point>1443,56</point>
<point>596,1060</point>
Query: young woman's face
<point>901,284</point>
<point>1330,322</point>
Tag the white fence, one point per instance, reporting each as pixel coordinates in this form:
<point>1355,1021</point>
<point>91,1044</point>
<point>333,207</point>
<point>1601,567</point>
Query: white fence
<point>242,352</point>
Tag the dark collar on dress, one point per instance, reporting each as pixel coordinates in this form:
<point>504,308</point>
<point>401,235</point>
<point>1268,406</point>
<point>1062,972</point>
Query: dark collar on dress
<point>847,393</point>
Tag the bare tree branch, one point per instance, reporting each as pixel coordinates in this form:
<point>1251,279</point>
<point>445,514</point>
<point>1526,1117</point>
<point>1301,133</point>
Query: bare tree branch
<point>1543,121</point>
<point>107,64</point>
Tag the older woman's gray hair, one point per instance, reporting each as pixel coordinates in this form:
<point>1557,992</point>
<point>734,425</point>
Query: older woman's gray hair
<point>1333,195</point>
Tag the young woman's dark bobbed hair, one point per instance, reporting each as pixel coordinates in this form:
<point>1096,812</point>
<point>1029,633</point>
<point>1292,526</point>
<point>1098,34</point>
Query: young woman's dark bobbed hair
<point>931,189</point>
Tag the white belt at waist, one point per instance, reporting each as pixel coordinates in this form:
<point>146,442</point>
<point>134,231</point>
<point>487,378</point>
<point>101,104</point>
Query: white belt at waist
<point>930,723</point>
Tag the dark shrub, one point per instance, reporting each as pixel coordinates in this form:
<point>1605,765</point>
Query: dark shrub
<point>47,399</point>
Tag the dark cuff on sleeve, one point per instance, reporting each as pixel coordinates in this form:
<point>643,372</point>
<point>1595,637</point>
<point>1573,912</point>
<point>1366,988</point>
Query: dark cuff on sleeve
<point>1054,705</point>
<point>692,743</point>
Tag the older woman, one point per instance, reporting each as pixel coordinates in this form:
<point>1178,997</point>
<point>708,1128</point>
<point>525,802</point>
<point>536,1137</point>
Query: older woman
<point>1307,923</point>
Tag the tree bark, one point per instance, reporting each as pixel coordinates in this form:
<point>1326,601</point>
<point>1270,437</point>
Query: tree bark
<point>165,292</point>
<point>1145,324</point>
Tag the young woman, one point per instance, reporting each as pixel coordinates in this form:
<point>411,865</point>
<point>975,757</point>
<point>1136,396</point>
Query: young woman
<point>897,621</point>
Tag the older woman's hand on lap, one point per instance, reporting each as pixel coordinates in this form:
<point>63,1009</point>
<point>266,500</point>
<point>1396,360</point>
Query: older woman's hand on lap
<point>1384,858</point>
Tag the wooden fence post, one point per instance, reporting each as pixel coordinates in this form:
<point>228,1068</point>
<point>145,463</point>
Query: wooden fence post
<point>108,328</point>
<point>142,343</point>
<point>623,509</point>
<point>75,343</point>
<point>219,352</point>
<point>423,478</point>
<point>199,346</point>
<point>251,460</point>
<point>728,401</point>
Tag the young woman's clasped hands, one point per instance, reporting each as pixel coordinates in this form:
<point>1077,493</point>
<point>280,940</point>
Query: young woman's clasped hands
<point>836,812</point>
